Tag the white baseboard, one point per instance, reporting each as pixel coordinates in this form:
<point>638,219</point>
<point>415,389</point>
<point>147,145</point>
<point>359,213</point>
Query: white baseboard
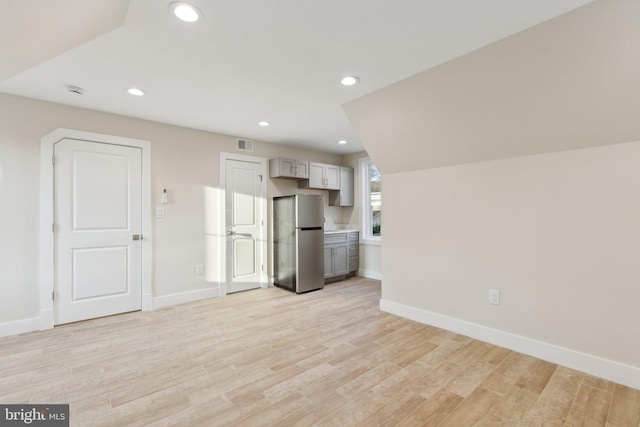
<point>608,369</point>
<point>46,318</point>
<point>183,297</point>
<point>19,326</point>
<point>147,302</point>
<point>370,274</point>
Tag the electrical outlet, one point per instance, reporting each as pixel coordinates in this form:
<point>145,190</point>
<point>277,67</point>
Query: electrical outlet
<point>494,297</point>
<point>199,269</point>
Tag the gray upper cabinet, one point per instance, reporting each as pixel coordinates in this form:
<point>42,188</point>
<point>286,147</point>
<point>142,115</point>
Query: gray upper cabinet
<point>316,175</point>
<point>337,179</point>
<point>343,196</point>
<point>332,174</point>
<point>322,176</point>
<point>288,168</point>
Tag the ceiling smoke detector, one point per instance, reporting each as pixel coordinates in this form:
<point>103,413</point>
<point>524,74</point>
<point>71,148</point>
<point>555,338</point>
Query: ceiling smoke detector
<point>75,90</point>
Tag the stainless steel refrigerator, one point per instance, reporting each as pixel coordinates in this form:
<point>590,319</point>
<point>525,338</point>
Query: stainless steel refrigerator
<point>298,242</point>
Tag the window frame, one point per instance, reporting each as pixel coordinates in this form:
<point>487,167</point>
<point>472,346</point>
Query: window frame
<point>366,236</point>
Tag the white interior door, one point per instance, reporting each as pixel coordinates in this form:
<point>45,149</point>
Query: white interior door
<point>244,224</point>
<point>98,224</point>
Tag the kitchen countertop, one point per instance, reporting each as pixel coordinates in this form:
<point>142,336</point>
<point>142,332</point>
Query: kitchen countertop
<point>347,230</point>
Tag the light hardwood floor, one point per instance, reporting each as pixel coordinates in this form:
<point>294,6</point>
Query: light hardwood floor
<point>271,358</point>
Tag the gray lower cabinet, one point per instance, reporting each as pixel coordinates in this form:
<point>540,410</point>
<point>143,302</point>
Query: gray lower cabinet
<point>340,255</point>
<point>336,255</point>
<point>354,252</point>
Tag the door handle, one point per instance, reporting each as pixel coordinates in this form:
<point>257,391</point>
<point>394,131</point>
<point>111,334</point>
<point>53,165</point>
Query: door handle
<point>137,237</point>
<point>235,233</point>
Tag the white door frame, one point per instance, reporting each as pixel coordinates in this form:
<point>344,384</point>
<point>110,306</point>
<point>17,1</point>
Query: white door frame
<point>47,214</point>
<point>222,249</point>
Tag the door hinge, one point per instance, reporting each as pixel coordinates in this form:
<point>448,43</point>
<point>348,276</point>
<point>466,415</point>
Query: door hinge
<point>260,176</point>
<point>53,228</point>
<point>53,160</point>
<point>262,266</point>
<point>53,295</point>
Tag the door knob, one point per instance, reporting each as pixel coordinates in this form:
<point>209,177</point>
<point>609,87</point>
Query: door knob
<point>137,237</point>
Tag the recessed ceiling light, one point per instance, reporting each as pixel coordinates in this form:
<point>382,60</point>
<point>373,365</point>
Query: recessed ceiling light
<point>263,123</point>
<point>342,142</point>
<point>135,91</point>
<point>185,11</point>
<point>349,80</point>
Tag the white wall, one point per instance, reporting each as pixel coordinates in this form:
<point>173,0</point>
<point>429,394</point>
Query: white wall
<point>184,161</point>
<point>558,234</point>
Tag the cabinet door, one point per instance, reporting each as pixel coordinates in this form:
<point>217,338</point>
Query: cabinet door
<point>332,177</point>
<point>287,167</point>
<point>281,168</point>
<point>328,262</point>
<point>316,175</point>
<point>302,169</point>
<point>346,187</point>
<point>341,260</point>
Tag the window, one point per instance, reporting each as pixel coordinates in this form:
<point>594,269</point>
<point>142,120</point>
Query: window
<point>371,182</point>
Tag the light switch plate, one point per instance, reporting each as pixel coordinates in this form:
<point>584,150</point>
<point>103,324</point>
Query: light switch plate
<point>159,212</point>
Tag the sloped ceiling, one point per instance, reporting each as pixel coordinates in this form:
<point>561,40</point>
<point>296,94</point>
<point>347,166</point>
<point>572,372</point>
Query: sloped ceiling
<point>34,31</point>
<point>245,61</point>
<point>568,83</point>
